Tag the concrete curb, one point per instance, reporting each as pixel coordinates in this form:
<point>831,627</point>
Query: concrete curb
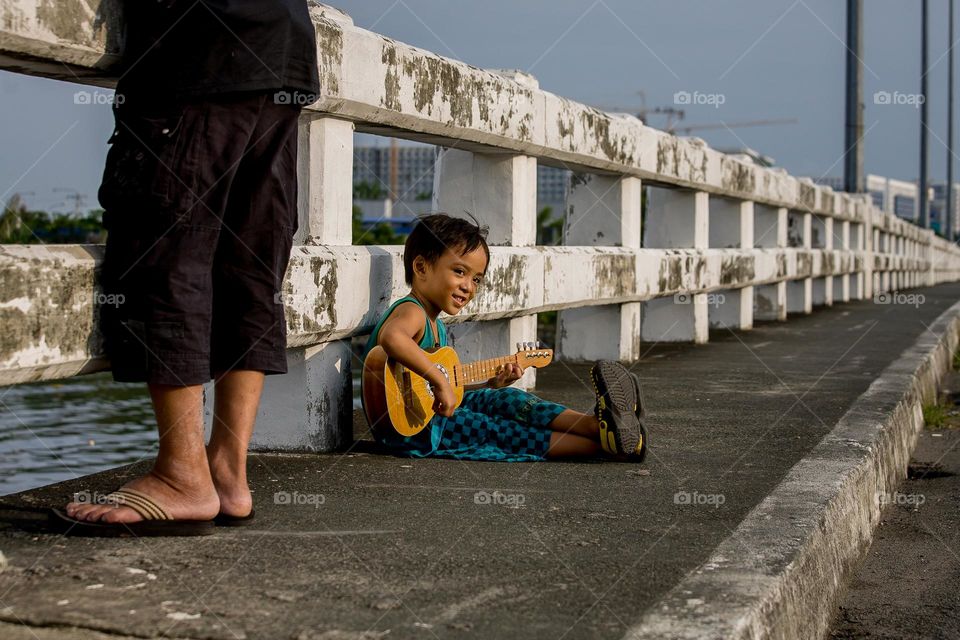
<point>782,572</point>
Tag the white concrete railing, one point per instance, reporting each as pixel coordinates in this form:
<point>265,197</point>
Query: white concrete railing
<point>714,225</point>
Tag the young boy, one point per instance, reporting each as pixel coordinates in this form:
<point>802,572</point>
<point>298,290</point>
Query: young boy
<point>444,261</point>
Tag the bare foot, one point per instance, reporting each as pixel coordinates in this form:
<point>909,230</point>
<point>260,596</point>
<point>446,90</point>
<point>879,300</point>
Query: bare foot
<point>182,501</point>
<point>230,481</point>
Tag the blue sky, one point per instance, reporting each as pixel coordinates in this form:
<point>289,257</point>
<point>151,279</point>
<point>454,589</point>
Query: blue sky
<point>768,59</point>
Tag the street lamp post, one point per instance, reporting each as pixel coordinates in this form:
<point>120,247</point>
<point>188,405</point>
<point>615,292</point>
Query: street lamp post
<point>924,210</point>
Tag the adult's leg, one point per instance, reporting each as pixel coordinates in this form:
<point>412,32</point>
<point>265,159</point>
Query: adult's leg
<point>164,187</point>
<point>249,328</point>
<point>237,396</point>
<point>179,480</point>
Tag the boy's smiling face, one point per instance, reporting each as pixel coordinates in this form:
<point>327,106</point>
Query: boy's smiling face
<point>451,282</point>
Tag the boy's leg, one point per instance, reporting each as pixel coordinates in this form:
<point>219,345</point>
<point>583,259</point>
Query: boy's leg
<point>236,398</point>
<point>578,424</point>
<point>180,479</point>
<point>568,445</point>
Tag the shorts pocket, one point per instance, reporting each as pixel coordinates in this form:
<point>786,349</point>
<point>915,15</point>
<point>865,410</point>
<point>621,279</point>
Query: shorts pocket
<point>148,176</point>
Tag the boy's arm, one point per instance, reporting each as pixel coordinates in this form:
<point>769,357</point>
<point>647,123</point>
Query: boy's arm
<point>396,337</point>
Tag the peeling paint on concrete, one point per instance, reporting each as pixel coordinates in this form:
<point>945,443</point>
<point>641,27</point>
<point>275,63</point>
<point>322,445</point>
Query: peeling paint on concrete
<point>670,277</point>
<point>737,270</point>
<point>614,276</point>
<point>783,266</point>
<point>329,55</point>
<point>804,264</point>
<point>508,280</point>
<point>738,177</point>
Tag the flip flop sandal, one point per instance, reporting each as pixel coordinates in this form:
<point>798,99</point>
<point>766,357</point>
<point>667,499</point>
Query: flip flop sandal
<point>156,521</point>
<point>621,432</point>
<point>224,520</point>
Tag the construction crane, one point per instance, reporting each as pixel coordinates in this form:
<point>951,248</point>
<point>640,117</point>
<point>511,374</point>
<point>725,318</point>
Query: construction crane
<point>675,115</point>
<point>75,196</point>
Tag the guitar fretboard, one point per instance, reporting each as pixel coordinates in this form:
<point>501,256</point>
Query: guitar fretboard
<point>483,370</point>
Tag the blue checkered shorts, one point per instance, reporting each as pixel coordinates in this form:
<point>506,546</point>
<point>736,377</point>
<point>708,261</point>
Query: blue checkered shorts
<point>496,424</point>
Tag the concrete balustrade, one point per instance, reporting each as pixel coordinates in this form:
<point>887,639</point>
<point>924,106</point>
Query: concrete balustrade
<point>501,192</point>
<point>602,211</point>
<point>724,243</point>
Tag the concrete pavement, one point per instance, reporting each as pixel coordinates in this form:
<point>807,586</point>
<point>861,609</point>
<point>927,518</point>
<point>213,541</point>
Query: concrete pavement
<point>355,544</point>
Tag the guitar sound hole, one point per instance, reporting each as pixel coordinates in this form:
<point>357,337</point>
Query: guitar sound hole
<point>446,374</point>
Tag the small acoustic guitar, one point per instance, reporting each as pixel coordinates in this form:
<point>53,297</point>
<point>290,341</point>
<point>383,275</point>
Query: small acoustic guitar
<point>394,395</point>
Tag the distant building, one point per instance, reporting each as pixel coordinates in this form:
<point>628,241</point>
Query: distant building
<point>898,197</point>
<point>415,163</point>
<point>415,174</point>
<point>938,205</point>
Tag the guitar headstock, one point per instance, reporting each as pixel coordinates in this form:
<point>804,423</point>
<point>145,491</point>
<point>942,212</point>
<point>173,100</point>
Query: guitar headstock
<point>533,354</point>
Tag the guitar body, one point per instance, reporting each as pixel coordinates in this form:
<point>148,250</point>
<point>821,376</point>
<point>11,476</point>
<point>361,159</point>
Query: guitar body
<point>395,399</point>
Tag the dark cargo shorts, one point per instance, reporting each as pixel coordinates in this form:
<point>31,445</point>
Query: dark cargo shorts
<point>200,205</point>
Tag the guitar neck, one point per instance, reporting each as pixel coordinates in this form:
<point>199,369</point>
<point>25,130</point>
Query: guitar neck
<point>483,370</point>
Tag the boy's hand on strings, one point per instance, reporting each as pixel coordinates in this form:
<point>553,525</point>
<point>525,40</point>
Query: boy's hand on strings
<point>506,375</point>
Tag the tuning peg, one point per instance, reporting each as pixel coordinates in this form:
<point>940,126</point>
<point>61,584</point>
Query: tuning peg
<point>529,345</point>
<point>539,345</point>
<point>519,346</point>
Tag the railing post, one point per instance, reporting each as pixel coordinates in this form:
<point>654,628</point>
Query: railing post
<point>676,219</point>
<point>844,293</point>
<point>731,226</point>
<point>501,192</point>
<point>771,232</point>
<point>800,291</point>
<point>312,406</point>
<point>602,211</point>
<point>823,286</point>
<point>865,247</point>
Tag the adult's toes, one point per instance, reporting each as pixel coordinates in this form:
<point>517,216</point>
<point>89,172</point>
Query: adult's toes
<point>120,514</point>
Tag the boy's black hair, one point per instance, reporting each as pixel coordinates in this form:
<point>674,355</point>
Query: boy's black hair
<point>433,234</point>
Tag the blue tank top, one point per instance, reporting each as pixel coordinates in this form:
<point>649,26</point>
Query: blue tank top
<point>426,342</point>
<point>415,446</point>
